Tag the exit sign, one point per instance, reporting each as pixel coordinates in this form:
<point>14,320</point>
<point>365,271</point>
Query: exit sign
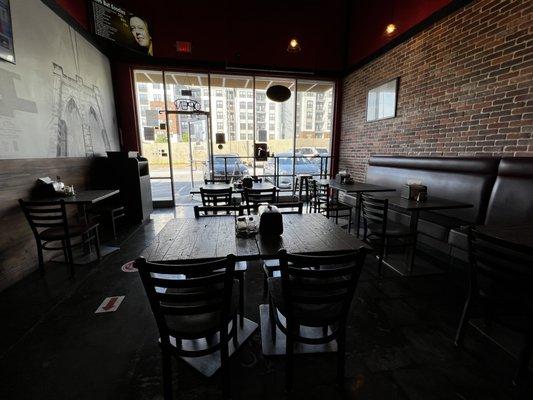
<point>184,47</point>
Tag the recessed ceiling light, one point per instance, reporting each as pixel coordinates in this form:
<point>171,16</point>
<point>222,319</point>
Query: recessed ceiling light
<point>294,46</point>
<point>390,29</point>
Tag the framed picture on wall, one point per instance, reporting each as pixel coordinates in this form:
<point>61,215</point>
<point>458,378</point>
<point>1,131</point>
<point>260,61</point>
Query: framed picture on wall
<point>381,101</point>
<point>7,49</point>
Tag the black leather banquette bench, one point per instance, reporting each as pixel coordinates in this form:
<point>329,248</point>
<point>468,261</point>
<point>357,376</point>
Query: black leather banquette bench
<point>501,190</point>
<point>510,202</point>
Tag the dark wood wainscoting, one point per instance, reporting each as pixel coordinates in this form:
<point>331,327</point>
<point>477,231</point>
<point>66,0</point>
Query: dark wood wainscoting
<point>18,256</point>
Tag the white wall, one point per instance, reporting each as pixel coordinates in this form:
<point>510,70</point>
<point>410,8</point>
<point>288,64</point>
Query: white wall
<point>58,98</point>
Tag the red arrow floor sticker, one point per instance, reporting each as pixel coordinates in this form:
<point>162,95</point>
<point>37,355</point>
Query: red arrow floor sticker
<point>109,304</point>
<point>128,267</point>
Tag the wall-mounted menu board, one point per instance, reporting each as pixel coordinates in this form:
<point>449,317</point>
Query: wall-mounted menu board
<point>121,26</point>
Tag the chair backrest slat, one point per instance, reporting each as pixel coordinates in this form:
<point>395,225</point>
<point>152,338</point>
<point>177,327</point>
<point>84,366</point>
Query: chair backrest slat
<point>222,180</point>
<point>214,211</point>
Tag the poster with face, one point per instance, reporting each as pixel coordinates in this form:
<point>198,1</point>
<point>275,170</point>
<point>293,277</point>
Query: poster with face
<point>121,27</point>
<point>7,51</point>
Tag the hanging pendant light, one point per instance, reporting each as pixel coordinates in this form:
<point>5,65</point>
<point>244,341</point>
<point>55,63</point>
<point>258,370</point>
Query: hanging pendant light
<point>278,93</point>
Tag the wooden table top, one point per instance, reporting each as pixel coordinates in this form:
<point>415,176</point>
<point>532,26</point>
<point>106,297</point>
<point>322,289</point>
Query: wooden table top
<point>308,233</point>
<point>356,187</point>
<point>519,235</point>
<point>432,203</point>
<point>213,237</point>
<point>199,238</point>
<point>84,196</point>
<point>257,186</point>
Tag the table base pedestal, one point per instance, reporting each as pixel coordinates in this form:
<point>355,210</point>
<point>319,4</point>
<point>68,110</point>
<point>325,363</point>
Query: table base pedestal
<point>270,348</point>
<point>209,364</point>
<point>421,267</point>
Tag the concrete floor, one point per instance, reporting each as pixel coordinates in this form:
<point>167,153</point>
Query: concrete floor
<point>400,341</point>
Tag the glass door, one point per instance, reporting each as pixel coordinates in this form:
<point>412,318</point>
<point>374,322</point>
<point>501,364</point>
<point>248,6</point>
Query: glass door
<point>190,148</point>
<point>187,110</point>
<point>153,135</point>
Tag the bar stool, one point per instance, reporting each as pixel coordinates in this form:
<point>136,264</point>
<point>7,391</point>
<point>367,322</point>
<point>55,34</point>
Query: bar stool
<point>301,180</point>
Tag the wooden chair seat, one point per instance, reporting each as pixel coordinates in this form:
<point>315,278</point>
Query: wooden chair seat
<point>334,206</point>
<point>304,314</point>
<point>73,231</point>
<point>392,229</point>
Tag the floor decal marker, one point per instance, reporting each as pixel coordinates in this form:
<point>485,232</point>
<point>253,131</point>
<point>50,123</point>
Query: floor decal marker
<point>128,267</point>
<point>109,304</point>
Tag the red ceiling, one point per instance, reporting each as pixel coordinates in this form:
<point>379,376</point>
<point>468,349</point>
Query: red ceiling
<point>256,33</point>
<point>370,17</point>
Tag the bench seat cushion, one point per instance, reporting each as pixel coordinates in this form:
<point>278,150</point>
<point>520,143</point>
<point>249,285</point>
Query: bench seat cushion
<point>437,225</point>
<point>431,224</point>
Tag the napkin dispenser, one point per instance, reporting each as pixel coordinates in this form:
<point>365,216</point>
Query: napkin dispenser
<point>270,221</point>
<point>415,192</point>
<point>344,178</point>
<point>341,176</point>
<point>247,182</point>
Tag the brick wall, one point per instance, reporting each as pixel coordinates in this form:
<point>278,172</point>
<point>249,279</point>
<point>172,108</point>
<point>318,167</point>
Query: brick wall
<point>466,88</point>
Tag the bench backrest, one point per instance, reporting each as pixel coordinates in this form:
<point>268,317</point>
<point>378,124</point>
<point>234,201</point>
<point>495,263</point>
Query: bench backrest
<point>465,179</point>
<point>511,200</point>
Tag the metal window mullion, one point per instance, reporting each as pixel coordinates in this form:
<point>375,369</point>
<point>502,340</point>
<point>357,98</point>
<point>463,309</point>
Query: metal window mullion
<point>294,136</point>
<point>253,100</point>
<point>209,132</point>
<point>168,139</point>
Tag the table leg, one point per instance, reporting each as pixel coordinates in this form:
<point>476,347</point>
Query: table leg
<point>413,228</point>
<point>358,213</point>
<point>82,212</point>
<point>82,216</point>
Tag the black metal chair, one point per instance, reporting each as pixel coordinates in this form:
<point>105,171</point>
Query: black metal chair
<point>221,180</point>
<point>501,281</point>
<point>271,266</point>
<point>49,223</point>
<point>192,300</point>
<point>217,197</point>
<point>255,197</point>
<point>324,201</point>
<point>241,266</point>
<point>314,291</point>
<point>214,211</point>
<point>111,212</point>
<point>379,231</point>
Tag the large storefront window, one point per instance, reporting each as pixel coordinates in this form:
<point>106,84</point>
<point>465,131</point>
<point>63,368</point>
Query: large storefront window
<point>314,124</point>
<point>181,145</point>
<point>274,125</point>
